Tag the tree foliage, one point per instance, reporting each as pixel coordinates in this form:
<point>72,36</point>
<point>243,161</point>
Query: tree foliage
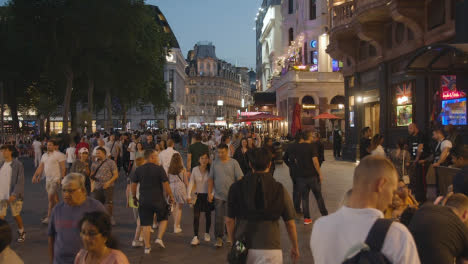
<point>82,51</point>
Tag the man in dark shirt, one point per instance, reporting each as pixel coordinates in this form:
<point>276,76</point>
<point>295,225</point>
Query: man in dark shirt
<point>310,175</point>
<point>365,142</point>
<point>440,232</point>
<point>153,182</point>
<point>195,151</point>
<point>417,146</point>
<point>460,160</point>
<point>290,160</point>
<point>255,205</point>
<point>149,144</point>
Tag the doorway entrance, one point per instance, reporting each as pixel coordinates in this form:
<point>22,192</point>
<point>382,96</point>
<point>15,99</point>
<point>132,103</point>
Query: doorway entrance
<point>372,116</point>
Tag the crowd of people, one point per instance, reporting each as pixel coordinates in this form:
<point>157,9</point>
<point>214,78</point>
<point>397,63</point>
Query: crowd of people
<point>251,182</point>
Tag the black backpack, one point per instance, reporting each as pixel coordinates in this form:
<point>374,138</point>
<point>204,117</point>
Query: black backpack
<point>374,241</point>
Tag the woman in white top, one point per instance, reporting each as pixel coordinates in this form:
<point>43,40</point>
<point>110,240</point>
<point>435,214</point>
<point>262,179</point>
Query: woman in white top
<point>199,182</point>
<point>376,146</point>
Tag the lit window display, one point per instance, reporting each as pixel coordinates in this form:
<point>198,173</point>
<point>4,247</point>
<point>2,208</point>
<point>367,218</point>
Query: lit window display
<point>453,109</point>
<point>403,103</point>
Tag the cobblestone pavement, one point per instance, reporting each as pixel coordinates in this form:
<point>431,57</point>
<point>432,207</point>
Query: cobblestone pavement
<point>338,179</point>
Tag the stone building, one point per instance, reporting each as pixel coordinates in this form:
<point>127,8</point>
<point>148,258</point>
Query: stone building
<point>303,72</point>
<point>404,62</point>
<point>215,88</point>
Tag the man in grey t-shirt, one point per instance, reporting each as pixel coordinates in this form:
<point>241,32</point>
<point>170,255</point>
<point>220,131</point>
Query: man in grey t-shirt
<point>223,173</point>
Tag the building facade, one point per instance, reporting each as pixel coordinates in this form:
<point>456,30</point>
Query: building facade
<point>268,40</point>
<point>304,73</point>
<point>400,66</point>
<point>216,91</point>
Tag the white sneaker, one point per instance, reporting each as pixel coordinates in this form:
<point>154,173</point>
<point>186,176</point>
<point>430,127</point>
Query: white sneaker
<point>136,243</point>
<point>147,250</point>
<point>160,243</point>
<point>195,241</point>
<point>207,237</point>
<point>45,220</point>
<point>151,230</point>
<point>155,226</point>
<point>177,230</point>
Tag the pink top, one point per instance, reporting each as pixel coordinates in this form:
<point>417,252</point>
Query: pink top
<point>115,257</point>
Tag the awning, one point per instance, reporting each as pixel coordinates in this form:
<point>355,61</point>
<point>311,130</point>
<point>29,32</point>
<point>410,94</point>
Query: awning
<point>440,59</point>
<point>326,116</point>
<point>261,117</point>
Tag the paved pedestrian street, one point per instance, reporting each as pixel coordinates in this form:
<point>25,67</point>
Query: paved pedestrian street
<point>338,179</point>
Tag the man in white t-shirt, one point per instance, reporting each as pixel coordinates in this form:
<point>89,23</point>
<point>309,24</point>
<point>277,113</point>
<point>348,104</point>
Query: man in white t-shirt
<point>37,146</point>
<point>166,155</point>
<point>336,236</point>
<point>52,166</point>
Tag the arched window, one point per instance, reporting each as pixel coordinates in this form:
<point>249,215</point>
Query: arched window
<point>291,35</point>
<point>308,100</point>
<point>291,7</point>
<point>312,9</point>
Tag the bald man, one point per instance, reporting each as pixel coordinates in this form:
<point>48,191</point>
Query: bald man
<point>333,236</point>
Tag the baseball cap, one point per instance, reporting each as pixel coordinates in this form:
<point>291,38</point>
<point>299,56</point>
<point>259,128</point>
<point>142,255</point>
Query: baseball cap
<point>82,150</point>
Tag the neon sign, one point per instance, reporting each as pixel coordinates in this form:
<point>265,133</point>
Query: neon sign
<point>452,94</point>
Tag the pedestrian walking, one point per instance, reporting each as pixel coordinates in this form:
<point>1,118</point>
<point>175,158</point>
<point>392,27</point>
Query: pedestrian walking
<point>255,205</point>
<point>310,176</point>
<point>37,146</point>
<point>223,173</point>
<point>165,155</point>
<point>140,152</point>
<point>70,155</point>
<point>103,175</point>
<point>337,139</point>
<point>138,238</point>
<point>281,173</point>
<point>337,237</point>
<point>102,144</point>
<point>178,180</point>
<point>7,255</point>
<point>52,166</point>
<point>195,151</point>
<point>12,188</point>
<point>114,148</point>
<point>82,165</point>
<point>132,148</point>
<point>98,244</point>
<point>82,144</point>
<point>290,160</point>
<point>242,155</point>
<point>199,183</point>
<point>64,231</point>
<point>153,183</point>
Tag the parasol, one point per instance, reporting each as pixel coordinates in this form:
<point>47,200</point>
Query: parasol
<point>296,123</point>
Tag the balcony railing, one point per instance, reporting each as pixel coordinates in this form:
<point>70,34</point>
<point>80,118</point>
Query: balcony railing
<point>342,13</point>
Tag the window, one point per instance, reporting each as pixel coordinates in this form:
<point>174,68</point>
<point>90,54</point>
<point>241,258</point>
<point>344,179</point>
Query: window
<point>291,7</point>
<point>291,36</point>
<point>313,9</point>
<point>170,91</point>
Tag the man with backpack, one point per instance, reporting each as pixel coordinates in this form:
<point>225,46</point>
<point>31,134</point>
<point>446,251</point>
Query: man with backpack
<point>255,205</point>
<point>343,236</point>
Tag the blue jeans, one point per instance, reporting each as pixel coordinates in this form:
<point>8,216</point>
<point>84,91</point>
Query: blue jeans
<point>311,184</point>
<point>220,213</point>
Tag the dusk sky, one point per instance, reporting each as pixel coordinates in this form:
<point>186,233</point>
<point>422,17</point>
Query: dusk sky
<point>227,23</point>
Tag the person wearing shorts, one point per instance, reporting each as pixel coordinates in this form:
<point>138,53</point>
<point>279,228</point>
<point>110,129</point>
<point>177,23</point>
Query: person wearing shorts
<point>52,166</point>
<point>12,188</point>
<point>103,175</point>
<point>153,183</point>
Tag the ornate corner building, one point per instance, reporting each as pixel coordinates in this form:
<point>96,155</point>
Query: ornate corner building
<point>404,62</point>
<point>216,90</point>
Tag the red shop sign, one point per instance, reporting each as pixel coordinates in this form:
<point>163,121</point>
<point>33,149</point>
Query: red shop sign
<point>452,94</point>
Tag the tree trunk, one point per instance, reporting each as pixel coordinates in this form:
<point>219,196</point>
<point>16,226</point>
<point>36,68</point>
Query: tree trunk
<point>73,119</point>
<point>124,117</point>
<point>90,105</point>
<point>68,92</point>
<point>48,126</point>
<point>41,126</point>
<point>108,104</point>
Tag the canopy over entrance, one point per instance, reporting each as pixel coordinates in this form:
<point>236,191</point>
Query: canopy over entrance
<point>440,59</point>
